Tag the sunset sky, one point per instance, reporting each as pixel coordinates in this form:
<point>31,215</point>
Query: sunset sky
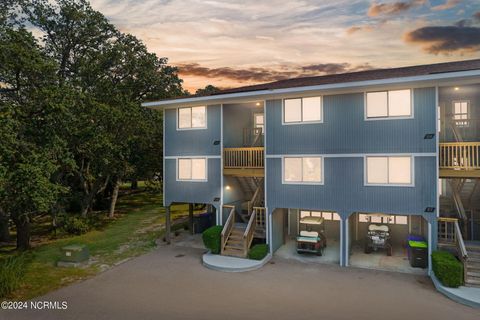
<point>235,43</point>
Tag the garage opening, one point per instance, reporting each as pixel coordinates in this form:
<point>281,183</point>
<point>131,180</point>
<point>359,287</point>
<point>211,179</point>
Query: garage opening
<point>388,242</point>
<point>311,236</point>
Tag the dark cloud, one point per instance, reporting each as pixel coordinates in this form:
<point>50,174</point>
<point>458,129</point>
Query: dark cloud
<point>258,74</point>
<point>446,39</point>
<point>378,9</point>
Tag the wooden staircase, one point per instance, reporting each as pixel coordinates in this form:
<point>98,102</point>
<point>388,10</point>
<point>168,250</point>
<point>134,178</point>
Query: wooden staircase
<point>236,238</point>
<point>472,265</point>
<point>235,242</point>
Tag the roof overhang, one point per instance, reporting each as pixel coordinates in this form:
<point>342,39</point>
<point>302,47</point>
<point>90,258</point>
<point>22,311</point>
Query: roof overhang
<point>438,79</point>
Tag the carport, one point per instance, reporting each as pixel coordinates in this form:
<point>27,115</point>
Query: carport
<point>294,221</point>
<point>400,229</point>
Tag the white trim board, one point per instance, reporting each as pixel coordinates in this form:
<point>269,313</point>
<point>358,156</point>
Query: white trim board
<point>432,80</point>
<point>351,155</point>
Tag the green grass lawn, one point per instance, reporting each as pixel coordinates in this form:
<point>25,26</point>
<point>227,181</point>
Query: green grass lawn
<point>132,233</point>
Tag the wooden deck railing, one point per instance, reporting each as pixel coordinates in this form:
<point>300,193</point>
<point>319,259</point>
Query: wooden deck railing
<point>243,157</point>
<point>260,217</point>
<point>449,234</point>
<point>460,155</point>
<point>227,228</point>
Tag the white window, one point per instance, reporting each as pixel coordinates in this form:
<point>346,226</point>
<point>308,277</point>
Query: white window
<point>327,215</point>
<point>395,170</point>
<point>259,121</point>
<point>301,110</point>
<point>389,104</point>
<point>461,113</point>
<point>192,169</point>
<point>302,170</point>
<point>192,117</point>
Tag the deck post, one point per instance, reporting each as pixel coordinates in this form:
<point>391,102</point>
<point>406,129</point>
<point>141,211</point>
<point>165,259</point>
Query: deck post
<point>167,224</point>
<point>190,217</point>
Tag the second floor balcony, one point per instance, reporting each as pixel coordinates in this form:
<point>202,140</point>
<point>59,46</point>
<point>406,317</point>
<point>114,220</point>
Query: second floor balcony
<point>459,159</point>
<point>245,161</point>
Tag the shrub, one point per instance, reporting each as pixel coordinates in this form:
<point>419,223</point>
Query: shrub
<point>258,252</point>
<point>12,270</point>
<point>212,238</point>
<point>447,269</point>
<point>76,225</point>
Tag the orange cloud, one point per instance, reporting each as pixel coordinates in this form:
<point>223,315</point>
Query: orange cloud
<point>378,9</point>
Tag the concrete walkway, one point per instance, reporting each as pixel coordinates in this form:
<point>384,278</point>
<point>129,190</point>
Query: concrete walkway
<point>171,283</point>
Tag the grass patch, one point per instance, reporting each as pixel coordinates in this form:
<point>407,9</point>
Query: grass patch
<point>132,233</point>
<point>12,270</point>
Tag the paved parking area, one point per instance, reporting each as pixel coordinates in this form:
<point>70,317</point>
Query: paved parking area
<point>171,283</point>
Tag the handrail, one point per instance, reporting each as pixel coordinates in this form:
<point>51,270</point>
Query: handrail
<point>460,155</point>
<point>460,243</point>
<point>260,217</point>
<point>251,157</point>
<point>253,201</point>
<point>457,199</point>
<point>227,228</point>
<point>249,232</point>
<point>251,136</point>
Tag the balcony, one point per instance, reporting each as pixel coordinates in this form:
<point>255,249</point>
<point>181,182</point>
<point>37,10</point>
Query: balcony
<point>244,162</point>
<point>459,160</point>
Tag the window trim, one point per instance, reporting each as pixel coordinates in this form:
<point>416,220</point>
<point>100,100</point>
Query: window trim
<point>177,166</point>
<point>412,106</point>
<point>365,171</point>
<point>177,111</point>
<point>467,121</point>
<point>255,114</point>
<point>301,111</point>
<point>322,168</point>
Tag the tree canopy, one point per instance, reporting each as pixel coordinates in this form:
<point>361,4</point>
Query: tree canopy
<point>71,123</point>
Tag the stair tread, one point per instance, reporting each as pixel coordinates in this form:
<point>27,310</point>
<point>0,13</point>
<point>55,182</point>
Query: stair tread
<point>473,274</point>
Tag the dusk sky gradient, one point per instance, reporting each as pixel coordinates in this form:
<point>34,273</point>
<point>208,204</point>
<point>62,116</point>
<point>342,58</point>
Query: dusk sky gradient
<point>236,43</point>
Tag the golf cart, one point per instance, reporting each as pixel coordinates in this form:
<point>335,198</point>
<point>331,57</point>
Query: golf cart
<point>378,237</point>
<point>309,240</point>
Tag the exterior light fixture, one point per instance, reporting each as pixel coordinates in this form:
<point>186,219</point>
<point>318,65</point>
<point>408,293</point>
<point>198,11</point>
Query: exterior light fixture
<point>227,187</point>
<point>257,104</point>
<point>457,88</point>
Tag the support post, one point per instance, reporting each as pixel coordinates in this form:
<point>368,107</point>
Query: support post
<point>167,224</point>
<point>190,217</point>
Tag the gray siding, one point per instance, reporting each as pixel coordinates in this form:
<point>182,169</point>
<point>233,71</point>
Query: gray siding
<point>344,191</point>
<point>187,191</point>
<point>344,129</point>
<point>193,142</point>
<point>278,217</point>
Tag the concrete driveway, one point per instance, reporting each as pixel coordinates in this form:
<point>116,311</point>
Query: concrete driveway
<point>171,283</point>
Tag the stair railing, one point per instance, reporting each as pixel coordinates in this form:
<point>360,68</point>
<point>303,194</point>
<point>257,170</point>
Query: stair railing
<point>227,228</point>
<point>449,233</point>
<point>457,200</point>
<point>255,199</point>
<point>249,233</point>
<point>251,136</point>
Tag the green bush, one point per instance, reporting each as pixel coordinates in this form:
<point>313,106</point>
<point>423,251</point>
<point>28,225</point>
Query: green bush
<point>447,269</point>
<point>76,225</point>
<point>12,270</point>
<point>258,252</point>
<point>212,238</point>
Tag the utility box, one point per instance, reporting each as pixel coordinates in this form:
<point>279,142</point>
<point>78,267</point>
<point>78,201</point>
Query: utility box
<point>75,253</point>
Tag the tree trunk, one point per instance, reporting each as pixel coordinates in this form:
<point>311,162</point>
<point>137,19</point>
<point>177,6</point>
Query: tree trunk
<point>113,201</point>
<point>22,225</point>
<point>88,198</point>
<point>4,231</point>
<point>134,184</point>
